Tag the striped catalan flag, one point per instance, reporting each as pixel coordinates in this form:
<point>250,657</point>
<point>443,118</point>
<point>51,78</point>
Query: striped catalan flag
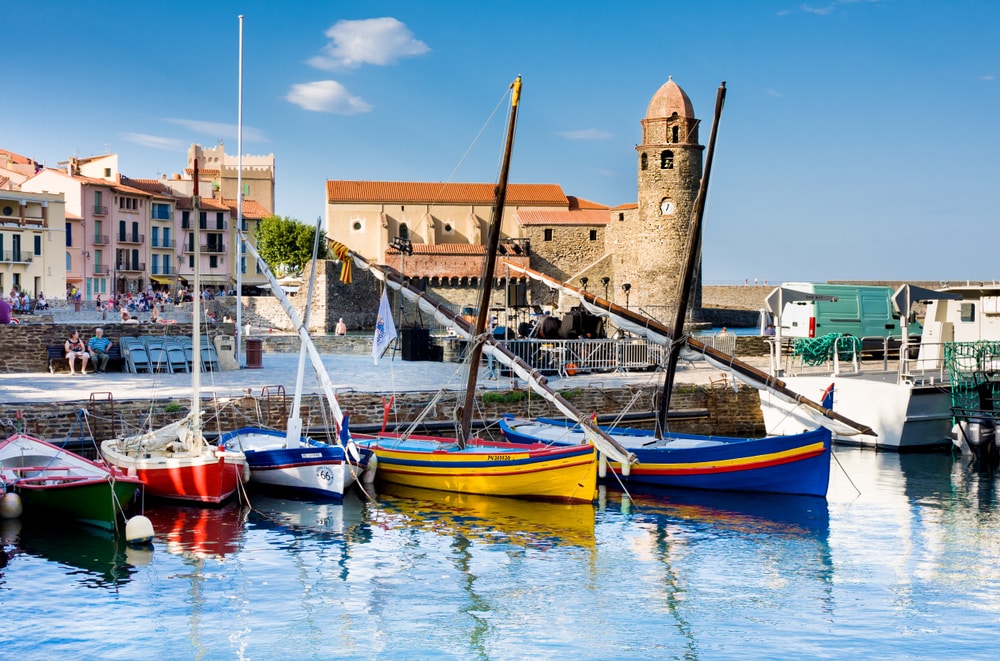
<point>343,253</point>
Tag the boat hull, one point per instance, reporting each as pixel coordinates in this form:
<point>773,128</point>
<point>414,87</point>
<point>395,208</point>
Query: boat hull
<point>312,469</point>
<point>95,502</point>
<point>208,477</point>
<point>904,415</point>
<point>487,467</point>
<point>794,465</point>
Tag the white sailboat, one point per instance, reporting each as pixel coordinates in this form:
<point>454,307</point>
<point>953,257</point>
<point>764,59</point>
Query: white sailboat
<point>288,461</point>
<point>176,461</point>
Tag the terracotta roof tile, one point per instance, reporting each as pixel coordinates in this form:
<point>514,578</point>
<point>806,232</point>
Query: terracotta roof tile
<point>444,249</point>
<point>580,203</point>
<point>625,207</point>
<point>537,217</point>
<point>251,208</point>
<point>339,191</point>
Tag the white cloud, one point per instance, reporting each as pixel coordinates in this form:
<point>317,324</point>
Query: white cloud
<point>821,11</point>
<point>585,134</point>
<point>218,130</point>
<point>379,41</point>
<point>774,92</point>
<point>156,142</point>
<point>327,96</point>
<point>988,76</point>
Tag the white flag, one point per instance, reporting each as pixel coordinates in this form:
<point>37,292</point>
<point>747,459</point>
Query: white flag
<point>385,330</point>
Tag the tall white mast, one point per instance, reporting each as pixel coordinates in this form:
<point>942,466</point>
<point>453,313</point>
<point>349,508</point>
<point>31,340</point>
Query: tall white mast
<point>239,199</point>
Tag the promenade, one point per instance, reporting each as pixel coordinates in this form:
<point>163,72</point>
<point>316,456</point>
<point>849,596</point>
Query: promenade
<point>347,372</point>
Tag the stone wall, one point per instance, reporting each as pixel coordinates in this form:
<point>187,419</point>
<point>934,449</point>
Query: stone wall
<point>731,412</point>
<point>26,343</point>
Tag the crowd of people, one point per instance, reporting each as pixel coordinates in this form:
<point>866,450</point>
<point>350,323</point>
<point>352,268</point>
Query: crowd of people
<point>19,302</point>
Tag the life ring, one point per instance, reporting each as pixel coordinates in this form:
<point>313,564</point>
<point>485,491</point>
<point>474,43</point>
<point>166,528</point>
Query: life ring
<point>571,369</point>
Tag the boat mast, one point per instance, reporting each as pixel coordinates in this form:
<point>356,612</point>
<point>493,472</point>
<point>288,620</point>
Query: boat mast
<point>491,259</point>
<point>690,264</point>
<point>239,199</point>
<point>196,306</point>
<point>293,428</point>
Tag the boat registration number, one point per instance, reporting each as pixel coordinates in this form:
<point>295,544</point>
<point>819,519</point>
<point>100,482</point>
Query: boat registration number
<point>500,457</point>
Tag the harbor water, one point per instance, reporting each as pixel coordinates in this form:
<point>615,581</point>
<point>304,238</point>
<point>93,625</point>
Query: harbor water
<point>901,561</point>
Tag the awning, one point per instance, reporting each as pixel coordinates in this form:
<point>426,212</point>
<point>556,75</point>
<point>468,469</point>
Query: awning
<point>160,280</point>
<point>213,279</point>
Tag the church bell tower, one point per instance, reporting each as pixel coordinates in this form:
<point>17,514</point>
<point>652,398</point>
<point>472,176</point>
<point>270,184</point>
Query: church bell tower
<point>648,242</point>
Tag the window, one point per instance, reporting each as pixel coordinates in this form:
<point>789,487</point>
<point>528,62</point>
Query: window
<point>621,216</point>
<point>161,211</point>
<point>593,235</point>
<point>154,237</point>
<point>643,161</point>
<point>166,238</point>
<point>166,265</point>
<point>673,133</point>
<point>190,261</point>
<point>122,230</point>
<point>107,172</point>
<point>213,261</point>
<point>186,220</point>
<point>69,235</point>
<point>404,231</point>
<point>69,262</point>
<point>135,233</point>
<point>220,224</point>
<point>214,243</point>
<point>548,234</point>
<point>154,264</point>
<point>190,242</point>
<point>243,265</point>
<point>667,160</point>
<point>202,220</point>
<point>968,311</point>
<point>448,228</point>
<point>38,245</point>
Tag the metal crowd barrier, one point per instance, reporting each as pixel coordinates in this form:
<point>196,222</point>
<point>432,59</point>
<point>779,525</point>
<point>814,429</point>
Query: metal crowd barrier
<point>569,357</point>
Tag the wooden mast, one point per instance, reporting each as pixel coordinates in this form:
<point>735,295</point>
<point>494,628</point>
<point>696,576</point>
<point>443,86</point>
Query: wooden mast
<point>688,268</point>
<point>491,259</point>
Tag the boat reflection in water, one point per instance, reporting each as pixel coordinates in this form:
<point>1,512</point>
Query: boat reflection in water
<point>198,532</point>
<point>93,558</point>
<point>529,523</point>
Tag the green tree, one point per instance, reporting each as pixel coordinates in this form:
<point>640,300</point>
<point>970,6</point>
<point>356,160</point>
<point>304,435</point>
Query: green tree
<point>286,244</point>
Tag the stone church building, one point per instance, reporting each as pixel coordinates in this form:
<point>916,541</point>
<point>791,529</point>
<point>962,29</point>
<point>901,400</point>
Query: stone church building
<point>629,253</point>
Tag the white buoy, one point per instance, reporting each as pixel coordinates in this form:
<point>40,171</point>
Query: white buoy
<point>10,506</point>
<point>139,530</point>
<point>369,475</point>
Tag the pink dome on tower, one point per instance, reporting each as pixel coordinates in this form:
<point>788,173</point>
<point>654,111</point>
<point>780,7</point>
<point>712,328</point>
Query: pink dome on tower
<point>670,99</point>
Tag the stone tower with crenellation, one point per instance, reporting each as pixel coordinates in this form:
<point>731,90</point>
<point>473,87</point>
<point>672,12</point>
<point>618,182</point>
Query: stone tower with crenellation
<point>648,241</point>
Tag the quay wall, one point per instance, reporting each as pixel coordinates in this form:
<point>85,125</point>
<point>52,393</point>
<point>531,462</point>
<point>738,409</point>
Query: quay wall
<point>730,412</point>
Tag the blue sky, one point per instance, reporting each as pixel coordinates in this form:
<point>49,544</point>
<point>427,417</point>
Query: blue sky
<point>859,140</point>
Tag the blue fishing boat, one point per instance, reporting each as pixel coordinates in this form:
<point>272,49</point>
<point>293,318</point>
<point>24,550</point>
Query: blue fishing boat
<point>797,464</point>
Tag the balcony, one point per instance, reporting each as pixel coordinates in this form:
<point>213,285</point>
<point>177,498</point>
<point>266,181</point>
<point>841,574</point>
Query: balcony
<point>213,249</point>
<point>100,210</point>
<point>132,266</point>
<point>16,257</point>
<point>102,269</point>
<point>163,243</point>
<point>100,239</point>
<point>131,238</point>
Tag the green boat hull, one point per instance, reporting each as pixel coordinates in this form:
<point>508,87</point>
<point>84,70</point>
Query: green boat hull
<point>98,503</point>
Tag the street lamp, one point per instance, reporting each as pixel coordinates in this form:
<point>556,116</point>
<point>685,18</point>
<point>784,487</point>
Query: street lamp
<point>605,281</point>
<point>627,288</point>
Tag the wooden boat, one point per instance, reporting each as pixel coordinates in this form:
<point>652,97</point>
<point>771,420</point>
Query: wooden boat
<point>797,464</point>
<point>473,465</point>
<point>486,467</point>
<point>286,460</point>
<point>60,483</point>
<point>307,466</point>
<point>176,461</point>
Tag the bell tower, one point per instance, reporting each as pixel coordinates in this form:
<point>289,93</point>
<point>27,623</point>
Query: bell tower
<point>648,242</point>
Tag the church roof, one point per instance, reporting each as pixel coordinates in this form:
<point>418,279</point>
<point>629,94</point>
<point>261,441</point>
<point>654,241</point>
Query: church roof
<point>414,192</point>
<point>559,217</point>
<point>670,99</point>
